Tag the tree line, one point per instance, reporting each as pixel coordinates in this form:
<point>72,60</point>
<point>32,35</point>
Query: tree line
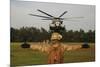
<point>33,34</point>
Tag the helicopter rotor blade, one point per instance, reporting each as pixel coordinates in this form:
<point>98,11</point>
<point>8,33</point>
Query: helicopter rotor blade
<point>72,18</point>
<point>46,19</point>
<point>44,13</point>
<point>76,19</point>
<point>63,13</point>
<point>39,16</point>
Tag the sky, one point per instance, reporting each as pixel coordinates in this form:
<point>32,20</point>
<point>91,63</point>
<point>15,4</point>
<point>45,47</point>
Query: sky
<point>21,9</point>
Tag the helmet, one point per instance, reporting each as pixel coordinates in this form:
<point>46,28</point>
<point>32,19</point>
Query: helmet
<point>56,36</point>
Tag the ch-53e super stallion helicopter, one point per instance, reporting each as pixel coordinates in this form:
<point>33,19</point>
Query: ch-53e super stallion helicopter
<point>57,22</point>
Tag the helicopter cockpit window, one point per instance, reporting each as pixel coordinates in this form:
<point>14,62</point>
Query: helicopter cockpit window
<point>52,25</point>
<point>58,23</point>
<point>62,25</point>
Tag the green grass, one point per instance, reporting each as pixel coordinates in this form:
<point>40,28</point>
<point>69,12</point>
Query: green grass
<point>20,56</point>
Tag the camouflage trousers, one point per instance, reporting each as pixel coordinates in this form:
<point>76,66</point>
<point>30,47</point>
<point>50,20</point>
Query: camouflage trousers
<point>55,57</point>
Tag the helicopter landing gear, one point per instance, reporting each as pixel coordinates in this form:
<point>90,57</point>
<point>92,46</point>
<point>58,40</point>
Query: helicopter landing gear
<point>25,45</point>
<point>85,45</point>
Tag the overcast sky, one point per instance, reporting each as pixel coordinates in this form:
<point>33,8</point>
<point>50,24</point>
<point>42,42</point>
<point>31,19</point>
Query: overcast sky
<point>21,9</point>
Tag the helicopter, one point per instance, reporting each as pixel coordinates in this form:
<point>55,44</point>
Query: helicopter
<point>57,22</point>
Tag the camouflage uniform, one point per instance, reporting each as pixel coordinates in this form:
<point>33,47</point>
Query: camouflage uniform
<point>56,50</point>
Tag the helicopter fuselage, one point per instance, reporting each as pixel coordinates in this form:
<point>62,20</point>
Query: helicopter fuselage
<point>56,25</point>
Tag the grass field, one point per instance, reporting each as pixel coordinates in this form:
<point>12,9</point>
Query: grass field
<point>20,56</point>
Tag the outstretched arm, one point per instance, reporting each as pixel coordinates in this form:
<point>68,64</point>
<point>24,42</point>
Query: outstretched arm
<point>72,47</point>
<point>42,48</point>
